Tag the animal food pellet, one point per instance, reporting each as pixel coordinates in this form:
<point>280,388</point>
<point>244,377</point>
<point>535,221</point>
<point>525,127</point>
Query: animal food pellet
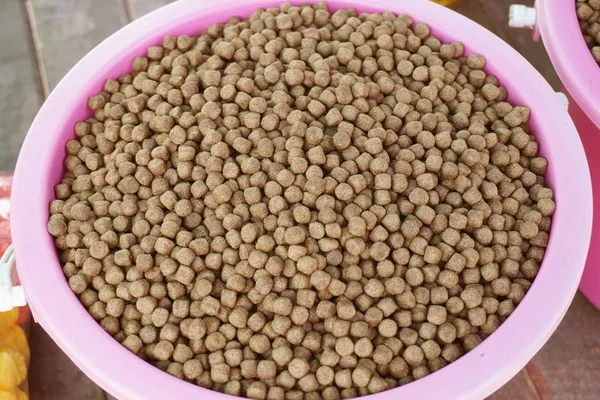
<point>303,204</point>
<point>589,22</point>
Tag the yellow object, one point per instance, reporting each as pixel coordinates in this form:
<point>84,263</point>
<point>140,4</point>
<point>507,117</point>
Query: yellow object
<point>14,356</point>
<point>17,341</point>
<point>447,3</point>
<point>13,338</point>
<point>10,317</point>
<point>12,370</point>
<point>13,394</point>
<point>9,395</point>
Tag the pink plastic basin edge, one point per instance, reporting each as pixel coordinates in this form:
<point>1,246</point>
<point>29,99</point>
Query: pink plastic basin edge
<point>590,136</point>
<point>580,74</point>
<point>570,56</point>
<point>121,373</point>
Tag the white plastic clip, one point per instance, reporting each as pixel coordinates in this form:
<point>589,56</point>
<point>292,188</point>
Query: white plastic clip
<point>563,99</point>
<point>520,16</point>
<point>10,296</point>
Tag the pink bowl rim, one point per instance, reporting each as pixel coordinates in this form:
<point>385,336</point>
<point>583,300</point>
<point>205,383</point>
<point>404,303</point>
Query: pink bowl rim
<point>570,56</point>
<point>488,367</point>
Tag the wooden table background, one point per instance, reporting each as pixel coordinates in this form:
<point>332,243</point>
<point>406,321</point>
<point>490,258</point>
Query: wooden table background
<point>43,39</point>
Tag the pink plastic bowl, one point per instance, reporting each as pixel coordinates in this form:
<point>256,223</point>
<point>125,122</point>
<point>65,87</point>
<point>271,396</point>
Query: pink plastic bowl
<point>124,375</point>
<point>574,64</point>
<point>580,74</point>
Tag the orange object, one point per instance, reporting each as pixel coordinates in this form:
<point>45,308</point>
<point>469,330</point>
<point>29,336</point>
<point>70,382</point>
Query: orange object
<point>14,349</point>
<point>13,369</point>
<point>447,3</point>
<point>9,317</point>
<point>13,394</point>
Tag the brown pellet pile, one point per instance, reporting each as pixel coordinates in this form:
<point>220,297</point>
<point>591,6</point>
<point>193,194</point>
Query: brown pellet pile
<point>303,205</point>
<point>588,13</point>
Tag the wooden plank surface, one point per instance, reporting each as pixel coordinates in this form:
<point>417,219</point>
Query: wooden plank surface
<point>519,388</point>
<point>473,9</point>
<point>143,7</point>
<point>20,95</point>
<point>520,39</point>
<point>52,375</point>
<point>68,29</point>
<point>568,367</point>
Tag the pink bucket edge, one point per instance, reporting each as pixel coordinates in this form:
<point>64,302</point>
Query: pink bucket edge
<point>570,56</point>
